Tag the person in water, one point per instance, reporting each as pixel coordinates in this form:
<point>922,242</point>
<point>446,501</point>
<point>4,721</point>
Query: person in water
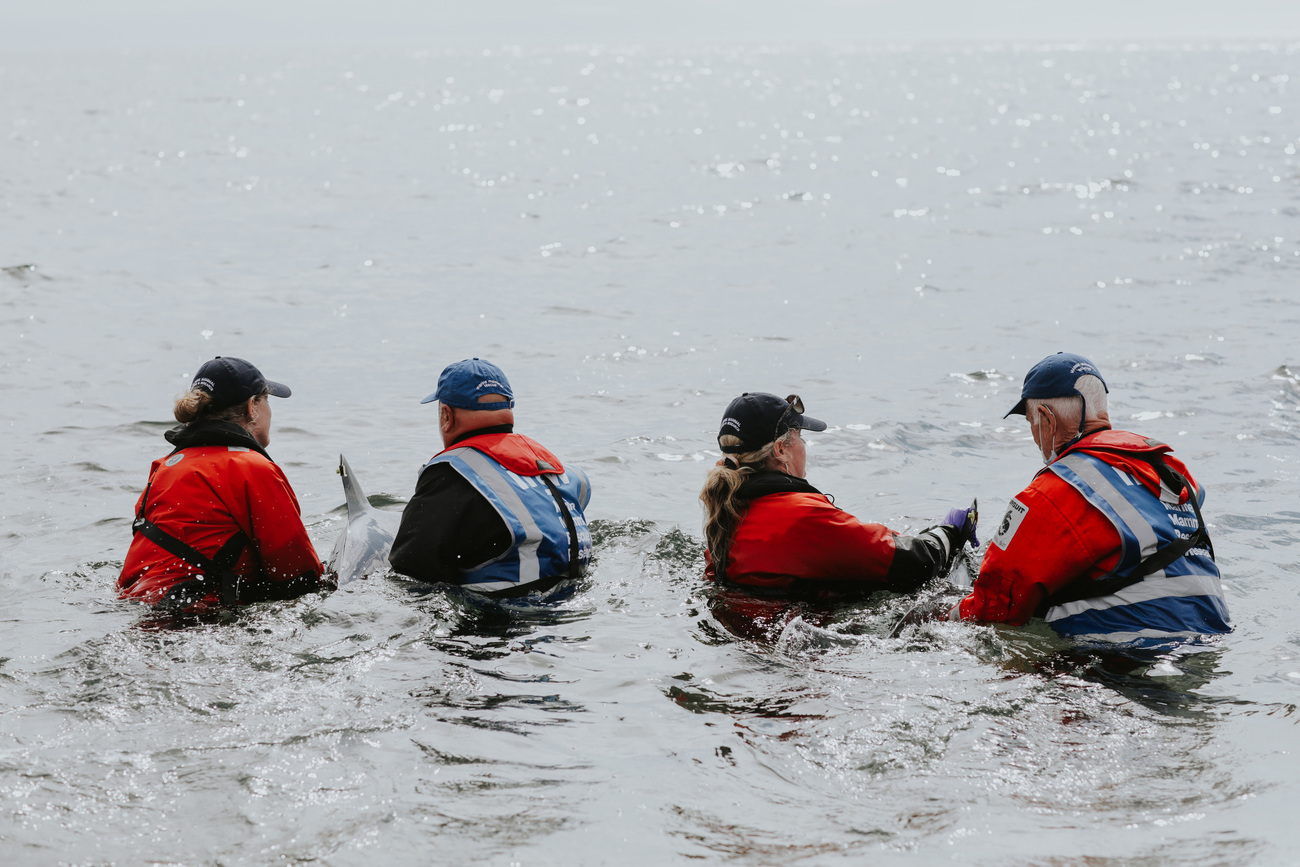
<point>217,523</point>
<point>768,530</point>
<point>494,511</point>
<point>1107,543</point>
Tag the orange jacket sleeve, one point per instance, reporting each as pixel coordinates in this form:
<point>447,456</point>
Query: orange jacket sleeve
<point>1049,537</point>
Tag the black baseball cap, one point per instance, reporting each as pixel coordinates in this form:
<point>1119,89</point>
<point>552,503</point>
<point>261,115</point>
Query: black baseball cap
<point>759,418</point>
<point>232,381</point>
<point>1055,376</point>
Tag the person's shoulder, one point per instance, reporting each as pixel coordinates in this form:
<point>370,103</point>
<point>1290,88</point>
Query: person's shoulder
<point>1047,498</point>
<point>516,437</point>
<point>796,508</point>
<point>250,463</point>
<point>439,477</point>
<point>533,452</point>
<point>1106,443</point>
<point>242,454</point>
<point>795,500</point>
<point>515,452</point>
<point>1051,501</point>
<point>1047,486</point>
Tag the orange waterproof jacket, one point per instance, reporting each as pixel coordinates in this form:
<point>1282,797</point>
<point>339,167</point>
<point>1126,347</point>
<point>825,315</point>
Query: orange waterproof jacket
<point>219,482</point>
<point>791,538</point>
<point>1052,536</point>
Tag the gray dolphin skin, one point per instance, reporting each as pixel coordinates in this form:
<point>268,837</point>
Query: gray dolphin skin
<point>362,548</point>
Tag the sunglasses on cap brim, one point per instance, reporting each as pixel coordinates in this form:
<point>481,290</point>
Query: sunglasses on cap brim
<point>795,405</point>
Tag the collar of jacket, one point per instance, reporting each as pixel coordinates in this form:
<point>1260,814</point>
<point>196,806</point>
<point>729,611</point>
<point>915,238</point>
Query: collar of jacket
<point>1129,452</point>
<point>764,482</point>
<point>483,431</point>
<point>213,433</point>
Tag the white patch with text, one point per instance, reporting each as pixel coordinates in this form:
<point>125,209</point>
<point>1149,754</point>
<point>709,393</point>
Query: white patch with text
<point>1016,512</point>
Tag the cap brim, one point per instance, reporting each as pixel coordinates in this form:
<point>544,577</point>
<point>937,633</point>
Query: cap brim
<point>1018,409</point>
<point>810,423</point>
<point>431,398</point>
<point>279,389</point>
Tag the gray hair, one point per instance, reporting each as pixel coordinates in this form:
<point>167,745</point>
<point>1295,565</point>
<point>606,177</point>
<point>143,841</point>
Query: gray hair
<point>1069,410</point>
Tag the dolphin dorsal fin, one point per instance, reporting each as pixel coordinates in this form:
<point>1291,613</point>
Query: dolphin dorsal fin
<point>356,497</point>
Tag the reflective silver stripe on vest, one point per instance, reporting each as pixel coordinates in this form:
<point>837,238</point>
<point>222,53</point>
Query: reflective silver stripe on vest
<point>1127,512</point>
<point>1127,637</point>
<point>490,472</point>
<point>1143,591</point>
<point>584,487</point>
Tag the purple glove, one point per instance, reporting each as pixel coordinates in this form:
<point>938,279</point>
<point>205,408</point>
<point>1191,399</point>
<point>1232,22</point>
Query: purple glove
<point>965,522</point>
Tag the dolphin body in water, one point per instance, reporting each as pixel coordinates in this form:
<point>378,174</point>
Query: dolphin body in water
<point>362,548</point>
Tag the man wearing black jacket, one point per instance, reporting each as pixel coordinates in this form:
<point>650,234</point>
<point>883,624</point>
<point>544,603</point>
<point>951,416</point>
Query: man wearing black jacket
<point>494,511</point>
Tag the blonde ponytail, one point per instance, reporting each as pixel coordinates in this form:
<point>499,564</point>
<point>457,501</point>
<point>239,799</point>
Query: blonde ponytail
<point>722,514</point>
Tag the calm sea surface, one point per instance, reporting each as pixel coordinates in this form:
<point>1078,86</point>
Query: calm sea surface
<point>636,237</point>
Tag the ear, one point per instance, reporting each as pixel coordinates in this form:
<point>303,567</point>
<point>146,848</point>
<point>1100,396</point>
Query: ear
<point>1047,417</point>
<point>250,408</point>
<point>780,448</point>
<point>446,417</point>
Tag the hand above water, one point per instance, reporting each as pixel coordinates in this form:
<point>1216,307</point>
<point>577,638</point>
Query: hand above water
<point>965,521</point>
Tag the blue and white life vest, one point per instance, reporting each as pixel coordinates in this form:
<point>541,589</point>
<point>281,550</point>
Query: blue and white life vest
<point>542,541</point>
<point>1183,600</point>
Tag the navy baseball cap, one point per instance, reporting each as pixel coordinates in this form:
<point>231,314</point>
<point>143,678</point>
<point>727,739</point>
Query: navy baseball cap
<point>759,418</point>
<point>232,381</point>
<point>461,385</point>
<point>1055,376</point>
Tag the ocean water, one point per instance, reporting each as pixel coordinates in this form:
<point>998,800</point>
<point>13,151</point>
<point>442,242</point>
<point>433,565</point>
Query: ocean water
<point>636,236</point>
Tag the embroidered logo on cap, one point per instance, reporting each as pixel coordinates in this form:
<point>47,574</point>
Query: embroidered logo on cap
<point>204,383</point>
<point>731,422</point>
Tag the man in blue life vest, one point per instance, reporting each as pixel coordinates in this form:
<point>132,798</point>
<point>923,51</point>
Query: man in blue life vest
<point>494,511</point>
<point>1107,543</point>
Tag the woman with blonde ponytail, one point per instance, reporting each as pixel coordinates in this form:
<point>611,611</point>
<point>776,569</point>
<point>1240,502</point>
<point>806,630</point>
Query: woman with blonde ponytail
<point>769,530</point>
<point>217,523</point>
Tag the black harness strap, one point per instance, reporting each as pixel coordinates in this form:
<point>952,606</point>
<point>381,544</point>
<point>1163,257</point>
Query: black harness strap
<point>219,567</point>
<point>1177,483</point>
<point>574,548</point>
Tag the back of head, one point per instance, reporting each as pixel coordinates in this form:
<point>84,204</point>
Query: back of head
<point>757,418</point>
<point>750,428</point>
<point>1070,384</point>
<point>1088,405</point>
<point>492,409</point>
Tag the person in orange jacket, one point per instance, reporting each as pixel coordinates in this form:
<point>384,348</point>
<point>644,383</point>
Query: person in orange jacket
<point>769,531</point>
<point>1107,543</point>
<point>218,523</point>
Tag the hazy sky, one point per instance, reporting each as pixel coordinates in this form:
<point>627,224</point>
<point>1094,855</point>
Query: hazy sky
<point>465,23</point>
